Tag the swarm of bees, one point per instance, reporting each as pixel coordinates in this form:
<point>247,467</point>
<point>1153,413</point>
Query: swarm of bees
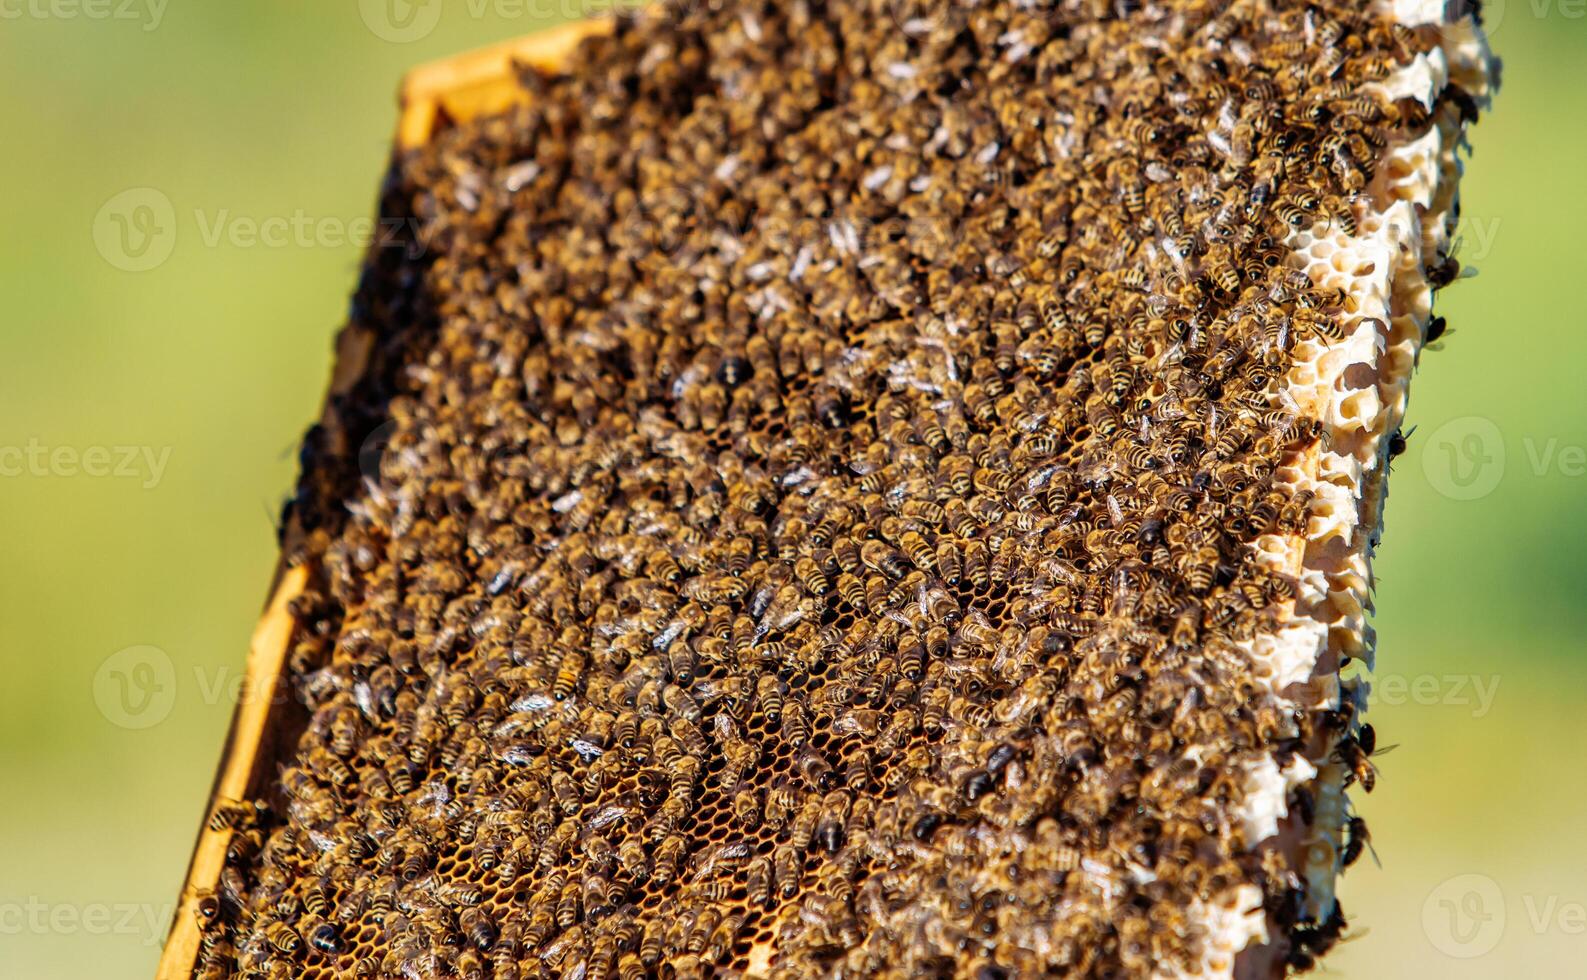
<point>825,442</point>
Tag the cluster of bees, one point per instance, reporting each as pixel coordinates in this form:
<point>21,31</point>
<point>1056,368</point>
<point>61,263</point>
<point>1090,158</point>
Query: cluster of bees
<point>814,535</point>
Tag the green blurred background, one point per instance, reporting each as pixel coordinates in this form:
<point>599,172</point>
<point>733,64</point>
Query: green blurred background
<point>265,126</point>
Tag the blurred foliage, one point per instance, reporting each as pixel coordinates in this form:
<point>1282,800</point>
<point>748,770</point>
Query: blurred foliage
<point>240,113</point>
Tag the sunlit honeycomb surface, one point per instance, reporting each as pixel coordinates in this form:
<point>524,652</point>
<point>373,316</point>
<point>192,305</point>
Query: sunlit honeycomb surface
<point>797,516</point>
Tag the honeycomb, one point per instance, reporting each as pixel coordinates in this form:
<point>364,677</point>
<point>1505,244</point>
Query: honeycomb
<point>835,489</point>
<point>1390,265</point>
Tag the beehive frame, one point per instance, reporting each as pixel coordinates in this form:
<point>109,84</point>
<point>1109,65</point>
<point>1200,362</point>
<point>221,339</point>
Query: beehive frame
<point>482,82</point>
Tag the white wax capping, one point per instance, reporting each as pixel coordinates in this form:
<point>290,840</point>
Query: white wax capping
<point>1357,388</point>
<point>1422,79</point>
<point>1413,13</point>
<point>1291,653</point>
<point>1231,926</point>
<point>1267,790</point>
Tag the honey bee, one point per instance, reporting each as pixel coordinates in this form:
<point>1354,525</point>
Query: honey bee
<point>1443,272</point>
<point>795,725</point>
<point>631,857</point>
<point>1307,941</point>
<point>826,530</point>
<point>321,935</point>
<point>1292,213</point>
<point>852,591</point>
<point>542,923</point>
<point>682,661</point>
<point>207,909</point>
<point>1397,446</point>
<point>569,905</point>
<point>237,815</point>
<point>315,896</point>
<point>601,896</point>
<point>1320,325</point>
<point>282,938</point>
<point>328,767</point>
<point>879,557</point>
<point>1356,754</point>
<point>680,704</point>
<point>812,577</point>
<point>803,827</point>
<point>1222,270</point>
<point>747,806</point>
<point>878,593</point>
<point>831,820</point>
<point>651,945</point>
<point>787,869</point>
<point>740,755</point>
<point>1357,839</point>
<point>668,856</point>
<point>977,565</point>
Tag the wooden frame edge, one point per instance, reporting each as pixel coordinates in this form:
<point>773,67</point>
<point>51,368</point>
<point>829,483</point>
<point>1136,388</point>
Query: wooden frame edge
<point>239,769</point>
<point>481,82</point>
